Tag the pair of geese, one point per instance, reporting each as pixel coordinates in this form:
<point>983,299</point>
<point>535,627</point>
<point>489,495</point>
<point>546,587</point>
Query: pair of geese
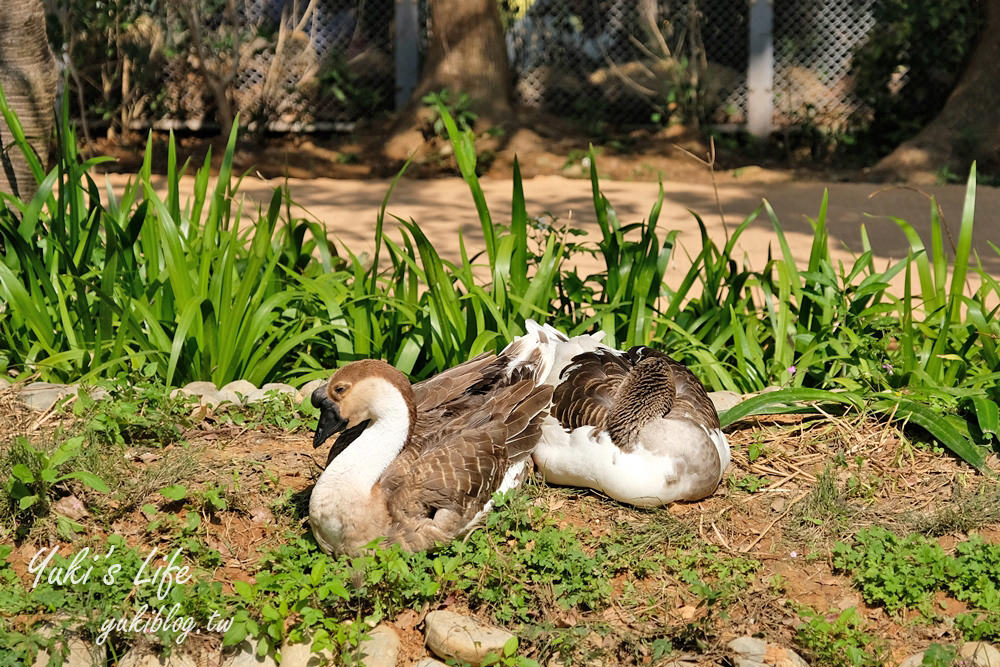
<point>419,464</point>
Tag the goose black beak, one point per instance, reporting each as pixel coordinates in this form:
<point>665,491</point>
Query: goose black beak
<point>330,420</point>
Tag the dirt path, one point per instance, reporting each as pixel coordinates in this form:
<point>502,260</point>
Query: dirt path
<point>443,207</point>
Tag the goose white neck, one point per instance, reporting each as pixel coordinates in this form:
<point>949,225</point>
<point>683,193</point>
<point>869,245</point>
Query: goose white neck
<point>364,461</point>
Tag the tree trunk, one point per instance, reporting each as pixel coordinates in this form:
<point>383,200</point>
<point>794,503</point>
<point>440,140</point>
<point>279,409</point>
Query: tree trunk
<point>467,54</point>
<point>968,127</point>
<point>29,79</point>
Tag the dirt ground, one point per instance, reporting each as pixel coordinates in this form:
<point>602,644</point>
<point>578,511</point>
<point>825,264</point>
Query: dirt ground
<point>332,183</point>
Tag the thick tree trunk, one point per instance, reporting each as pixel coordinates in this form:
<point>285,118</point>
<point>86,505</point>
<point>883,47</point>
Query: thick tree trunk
<point>29,78</point>
<point>467,54</point>
<point>968,127</point>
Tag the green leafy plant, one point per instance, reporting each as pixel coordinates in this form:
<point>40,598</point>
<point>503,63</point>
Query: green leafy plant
<point>35,473</point>
<point>839,639</point>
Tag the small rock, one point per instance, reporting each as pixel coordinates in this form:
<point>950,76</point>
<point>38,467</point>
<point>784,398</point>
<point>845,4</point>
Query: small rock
<point>229,396</point>
<point>749,648</point>
<point>429,662</point>
<point>302,655</point>
<point>81,653</point>
<point>210,397</point>
<point>723,400</point>
<point>309,387</point>
<point>981,654</point>
<point>143,655</point>
<point>42,396</point>
<point>914,660</point>
<point>783,657</point>
<point>5,383</point>
<point>198,388</point>
<point>261,514</point>
<point>246,656</point>
<point>98,393</point>
<point>381,648</point>
<point>240,387</point>
<point>70,507</point>
<point>281,388</point>
<point>451,635</point>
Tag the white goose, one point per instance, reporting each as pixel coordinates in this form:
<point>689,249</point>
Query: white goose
<point>419,464</point>
<point>634,424</point>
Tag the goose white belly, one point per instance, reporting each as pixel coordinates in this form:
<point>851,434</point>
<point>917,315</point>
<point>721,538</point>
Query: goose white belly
<point>674,460</point>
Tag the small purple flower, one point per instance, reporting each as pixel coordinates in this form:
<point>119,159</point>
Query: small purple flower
<point>888,367</point>
<point>791,370</point>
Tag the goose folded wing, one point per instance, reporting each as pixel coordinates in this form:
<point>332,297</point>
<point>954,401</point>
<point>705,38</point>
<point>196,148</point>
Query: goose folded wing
<point>587,391</point>
<point>437,486</point>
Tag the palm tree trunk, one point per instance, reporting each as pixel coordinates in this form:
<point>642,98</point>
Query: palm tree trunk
<point>28,76</point>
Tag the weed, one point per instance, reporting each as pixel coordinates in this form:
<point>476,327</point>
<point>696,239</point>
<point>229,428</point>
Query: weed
<point>900,573</point>
<point>839,639</point>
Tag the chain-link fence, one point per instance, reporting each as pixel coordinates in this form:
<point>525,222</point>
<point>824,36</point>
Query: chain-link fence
<point>290,64</point>
<point>628,60</point>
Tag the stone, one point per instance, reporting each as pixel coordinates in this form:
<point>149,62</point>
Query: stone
<point>451,635</point>
<point>143,655</point>
<point>241,388</point>
<point>723,400</point>
<point>198,388</point>
<point>98,393</point>
<point>914,660</point>
<point>429,662</point>
<point>982,654</point>
<point>779,656</point>
<point>5,383</point>
<point>748,648</point>
<point>81,653</point>
<point>245,655</point>
<point>309,387</point>
<point>281,388</point>
<point>70,507</point>
<point>381,648</point>
<point>42,396</point>
<point>302,655</point>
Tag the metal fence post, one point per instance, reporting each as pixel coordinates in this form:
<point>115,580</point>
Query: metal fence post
<point>406,49</point>
<point>760,69</point>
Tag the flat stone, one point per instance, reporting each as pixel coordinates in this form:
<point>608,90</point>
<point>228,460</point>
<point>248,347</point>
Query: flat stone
<point>749,648</point>
<point>723,400</point>
<point>99,393</point>
<point>70,507</point>
<point>42,396</point>
<point>302,655</point>
<point>779,656</point>
<point>914,660</point>
<point>982,654</point>
<point>245,655</point>
<point>143,655</point>
<point>81,653</point>
<point>281,388</point>
<point>309,387</point>
<point>381,648</point>
<point>451,635</point>
<point>240,387</point>
<point>198,388</point>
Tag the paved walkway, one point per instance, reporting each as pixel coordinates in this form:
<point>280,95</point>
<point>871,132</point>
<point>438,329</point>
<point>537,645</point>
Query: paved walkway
<point>444,207</point>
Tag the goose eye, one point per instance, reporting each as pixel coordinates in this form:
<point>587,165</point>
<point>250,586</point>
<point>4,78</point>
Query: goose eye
<point>339,390</point>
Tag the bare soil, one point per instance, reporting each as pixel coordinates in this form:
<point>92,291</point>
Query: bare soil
<point>788,525</point>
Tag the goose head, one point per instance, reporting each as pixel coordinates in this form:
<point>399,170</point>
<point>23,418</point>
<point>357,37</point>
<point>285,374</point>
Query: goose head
<point>357,395</point>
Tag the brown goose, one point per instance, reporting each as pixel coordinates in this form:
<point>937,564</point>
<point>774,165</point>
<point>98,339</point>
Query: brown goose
<point>419,464</point>
<point>636,425</point>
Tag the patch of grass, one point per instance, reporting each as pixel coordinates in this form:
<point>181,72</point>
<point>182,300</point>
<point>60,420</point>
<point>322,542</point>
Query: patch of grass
<point>904,572</point>
<point>839,638</point>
